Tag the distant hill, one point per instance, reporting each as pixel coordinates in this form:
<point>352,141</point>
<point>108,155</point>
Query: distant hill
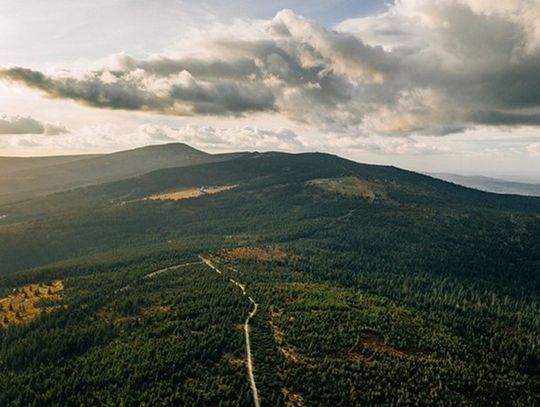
<point>273,193</point>
<point>10,165</point>
<point>488,184</point>
<point>40,176</point>
<point>274,168</point>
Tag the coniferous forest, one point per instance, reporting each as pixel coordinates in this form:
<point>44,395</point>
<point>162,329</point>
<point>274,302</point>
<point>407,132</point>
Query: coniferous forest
<point>374,286</point>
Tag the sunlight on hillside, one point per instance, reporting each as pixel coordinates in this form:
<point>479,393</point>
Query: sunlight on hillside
<point>191,193</point>
<point>350,187</point>
<point>22,304</point>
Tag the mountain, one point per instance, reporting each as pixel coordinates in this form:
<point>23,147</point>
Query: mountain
<point>494,185</point>
<point>56,174</point>
<point>356,285</point>
<point>13,164</point>
<point>305,187</point>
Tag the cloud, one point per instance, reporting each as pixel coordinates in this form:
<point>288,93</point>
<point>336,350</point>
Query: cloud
<point>55,129</point>
<point>533,149</point>
<point>29,125</point>
<point>476,59</point>
<point>110,137</point>
<point>222,138</point>
<point>20,125</point>
<point>178,93</point>
<point>23,142</point>
<point>421,67</point>
<point>390,146</point>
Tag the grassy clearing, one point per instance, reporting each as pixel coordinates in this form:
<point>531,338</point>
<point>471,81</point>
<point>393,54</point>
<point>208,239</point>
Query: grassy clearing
<point>22,306</point>
<point>191,193</point>
<point>107,315</point>
<point>350,187</point>
<point>262,254</point>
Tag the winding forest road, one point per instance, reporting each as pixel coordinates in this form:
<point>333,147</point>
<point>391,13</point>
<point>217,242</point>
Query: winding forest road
<point>155,273</point>
<point>248,353</point>
<point>242,287</point>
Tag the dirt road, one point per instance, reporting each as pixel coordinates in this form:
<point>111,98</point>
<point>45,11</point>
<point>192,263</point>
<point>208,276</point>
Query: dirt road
<point>249,359</point>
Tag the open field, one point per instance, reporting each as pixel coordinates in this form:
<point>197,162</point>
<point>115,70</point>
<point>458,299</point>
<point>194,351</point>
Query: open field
<point>350,187</point>
<point>191,193</point>
<point>21,305</point>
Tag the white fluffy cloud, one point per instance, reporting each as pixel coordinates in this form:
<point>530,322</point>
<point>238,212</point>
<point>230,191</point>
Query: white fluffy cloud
<point>422,67</point>
<point>224,138</point>
<point>29,125</point>
<point>109,137</point>
<point>534,149</point>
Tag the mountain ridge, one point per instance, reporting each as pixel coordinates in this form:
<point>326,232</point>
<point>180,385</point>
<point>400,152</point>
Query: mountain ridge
<point>260,181</point>
<point>15,164</point>
<point>31,182</point>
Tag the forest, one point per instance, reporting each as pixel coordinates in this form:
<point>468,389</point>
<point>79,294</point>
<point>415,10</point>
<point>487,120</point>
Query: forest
<point>376,286</point>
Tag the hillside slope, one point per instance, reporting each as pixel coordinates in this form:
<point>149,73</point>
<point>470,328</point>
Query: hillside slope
<point>374,285</point>
<point>10,165</point>
<point>267,170</point>
<point>46,179</point>
<point>297,190</point>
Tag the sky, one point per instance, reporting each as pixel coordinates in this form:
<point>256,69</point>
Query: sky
<point>433,86</point>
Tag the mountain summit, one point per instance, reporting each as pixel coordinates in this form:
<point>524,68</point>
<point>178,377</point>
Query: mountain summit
<point>54,175</point>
